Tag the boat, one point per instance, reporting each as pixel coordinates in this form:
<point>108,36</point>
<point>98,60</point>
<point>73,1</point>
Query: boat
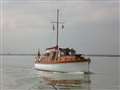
<point>57,59</point>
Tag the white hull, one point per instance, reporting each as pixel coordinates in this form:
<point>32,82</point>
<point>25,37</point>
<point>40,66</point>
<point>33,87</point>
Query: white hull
<point>67,67</point>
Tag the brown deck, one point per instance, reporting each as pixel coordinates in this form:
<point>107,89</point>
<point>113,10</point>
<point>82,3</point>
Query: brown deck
<point>62,60</point>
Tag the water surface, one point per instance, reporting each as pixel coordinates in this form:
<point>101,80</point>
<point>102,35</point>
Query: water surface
<point>17,73</point>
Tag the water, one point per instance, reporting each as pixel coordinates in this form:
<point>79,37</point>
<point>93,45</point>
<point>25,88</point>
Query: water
<point>17,73</point>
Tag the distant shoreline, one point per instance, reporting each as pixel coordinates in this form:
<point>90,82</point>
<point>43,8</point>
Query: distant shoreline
<point>28,54</point>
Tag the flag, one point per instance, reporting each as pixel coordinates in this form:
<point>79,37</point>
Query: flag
<point>62,26</point>
<point>53,27</point>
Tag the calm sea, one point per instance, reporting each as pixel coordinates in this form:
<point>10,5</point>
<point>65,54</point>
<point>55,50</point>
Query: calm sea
<point>17,73</point>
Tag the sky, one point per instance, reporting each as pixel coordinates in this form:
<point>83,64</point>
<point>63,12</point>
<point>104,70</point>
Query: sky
<point>91,26</point>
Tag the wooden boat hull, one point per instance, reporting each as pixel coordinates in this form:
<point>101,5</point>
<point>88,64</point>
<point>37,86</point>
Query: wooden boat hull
<point>64,67</point>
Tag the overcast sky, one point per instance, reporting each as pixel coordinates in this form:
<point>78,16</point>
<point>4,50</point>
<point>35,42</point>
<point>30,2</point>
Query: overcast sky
<point>91,26</point>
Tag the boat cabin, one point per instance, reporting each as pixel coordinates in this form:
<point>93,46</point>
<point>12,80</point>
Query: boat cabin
<point>59,55</point>
<point>53,53</point>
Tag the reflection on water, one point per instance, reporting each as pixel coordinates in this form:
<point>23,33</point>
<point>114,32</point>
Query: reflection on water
<point>65,81</point>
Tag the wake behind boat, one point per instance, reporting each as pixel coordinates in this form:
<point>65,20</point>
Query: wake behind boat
<point>58,59</point>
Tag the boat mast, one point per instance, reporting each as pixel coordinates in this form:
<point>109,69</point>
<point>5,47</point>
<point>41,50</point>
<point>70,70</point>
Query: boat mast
<point>57,22</point>
<point>57,28</point>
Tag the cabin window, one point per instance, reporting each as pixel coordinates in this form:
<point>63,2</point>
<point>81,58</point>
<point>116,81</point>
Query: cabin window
<point>67,51</point>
